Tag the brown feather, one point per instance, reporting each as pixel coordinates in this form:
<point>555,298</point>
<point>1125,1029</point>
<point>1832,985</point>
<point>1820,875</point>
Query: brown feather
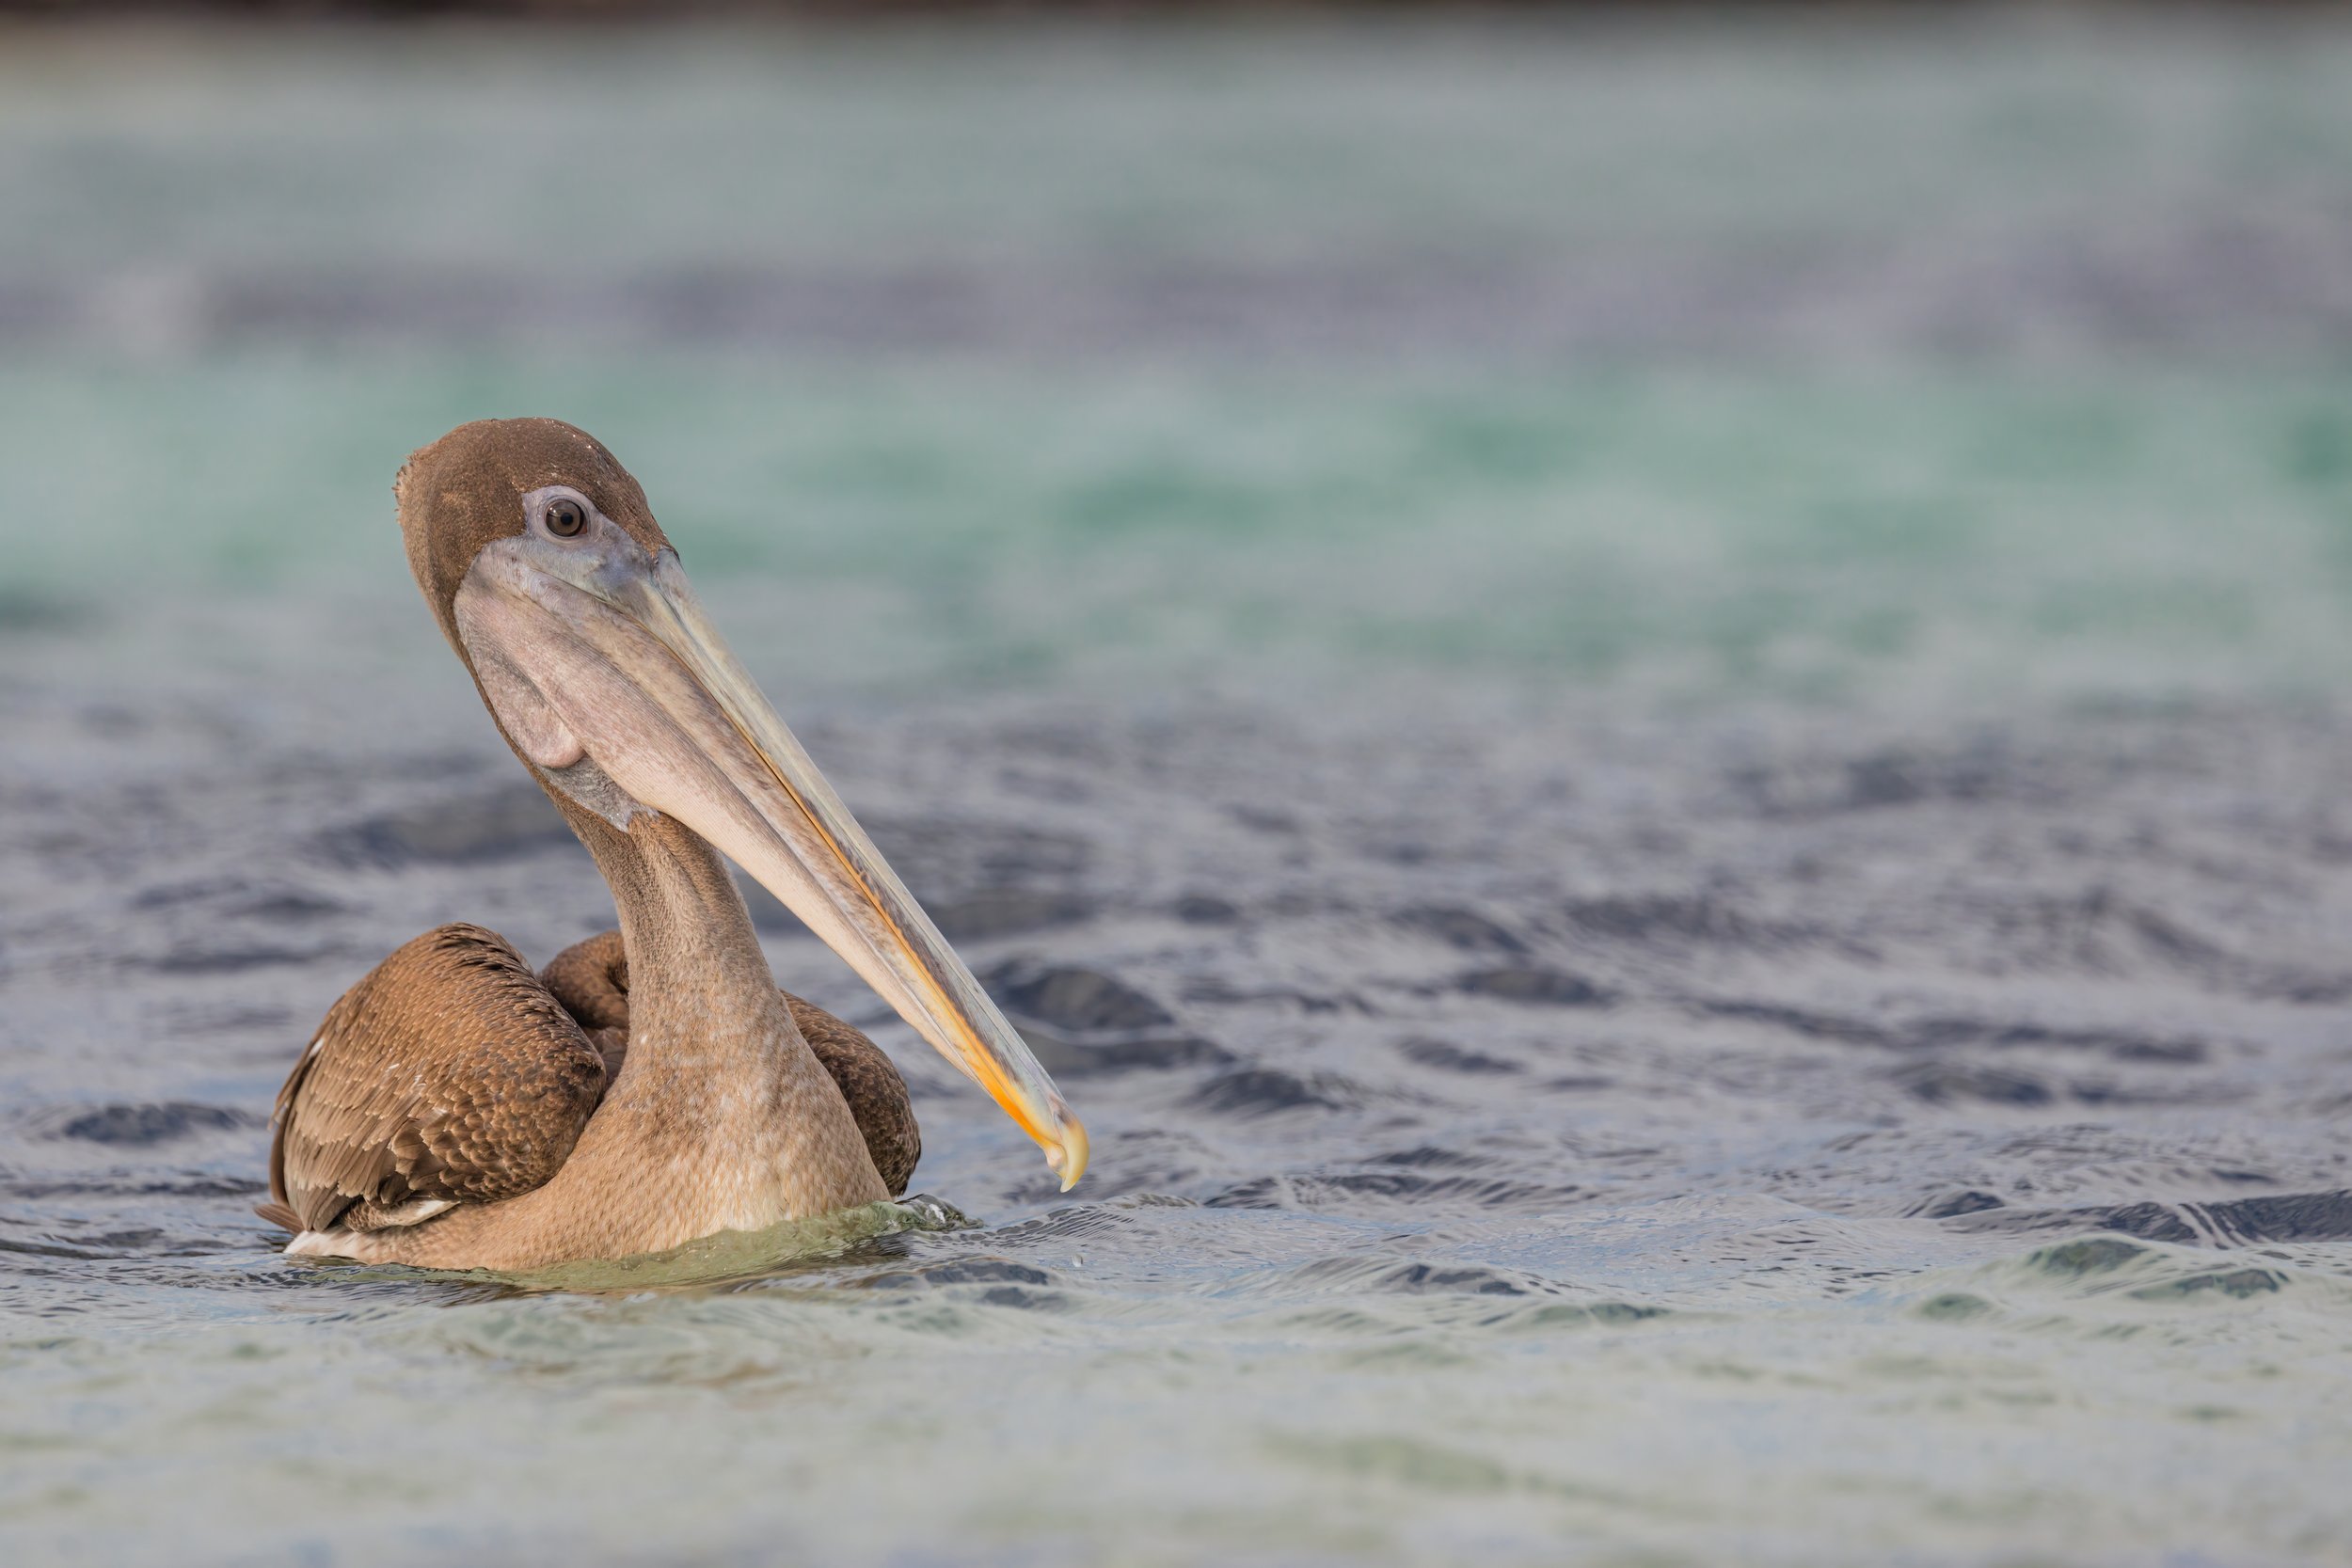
<point>591,979</point>
<point>448,1075</point>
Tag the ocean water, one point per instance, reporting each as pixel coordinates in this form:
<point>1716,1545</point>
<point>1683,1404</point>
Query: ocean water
<point>1651,719</point>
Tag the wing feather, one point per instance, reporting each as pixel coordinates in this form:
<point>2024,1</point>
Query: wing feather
<point>449,1075</point>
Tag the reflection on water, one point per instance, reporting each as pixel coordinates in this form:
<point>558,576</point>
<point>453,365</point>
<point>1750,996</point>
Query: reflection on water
<point>1682,961</point>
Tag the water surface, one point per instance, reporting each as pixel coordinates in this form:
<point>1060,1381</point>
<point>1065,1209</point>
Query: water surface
<point>1651,722</point>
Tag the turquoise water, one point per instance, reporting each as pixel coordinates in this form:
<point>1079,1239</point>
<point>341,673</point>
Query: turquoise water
<point>1968,537</point>
<point>1681,687</point>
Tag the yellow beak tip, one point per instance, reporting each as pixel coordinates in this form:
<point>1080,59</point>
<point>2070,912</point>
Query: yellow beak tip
<point>1068,1158</point>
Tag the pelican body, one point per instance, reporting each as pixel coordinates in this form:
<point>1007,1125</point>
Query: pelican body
<point>651,1085</point>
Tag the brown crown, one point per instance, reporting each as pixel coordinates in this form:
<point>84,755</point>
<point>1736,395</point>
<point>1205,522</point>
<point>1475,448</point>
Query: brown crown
<point>466,489</point>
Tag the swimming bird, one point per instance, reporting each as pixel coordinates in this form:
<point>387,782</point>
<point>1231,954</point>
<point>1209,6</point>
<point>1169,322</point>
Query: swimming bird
<point>652,1085</point>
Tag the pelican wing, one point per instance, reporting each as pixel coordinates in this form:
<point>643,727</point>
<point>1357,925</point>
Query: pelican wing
<point>449,1075</point>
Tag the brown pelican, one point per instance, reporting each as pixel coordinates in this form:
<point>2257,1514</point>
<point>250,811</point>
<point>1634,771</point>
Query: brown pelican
<point>652,1085</point>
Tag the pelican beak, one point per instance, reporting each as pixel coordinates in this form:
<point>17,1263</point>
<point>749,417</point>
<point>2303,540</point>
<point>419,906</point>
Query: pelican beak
<point>601,665</point>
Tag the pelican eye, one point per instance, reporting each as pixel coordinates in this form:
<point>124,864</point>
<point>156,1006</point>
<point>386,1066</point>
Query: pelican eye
<point>564,517</point>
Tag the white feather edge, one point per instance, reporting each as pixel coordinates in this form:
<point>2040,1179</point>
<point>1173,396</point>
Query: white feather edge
<point>337,1243</point>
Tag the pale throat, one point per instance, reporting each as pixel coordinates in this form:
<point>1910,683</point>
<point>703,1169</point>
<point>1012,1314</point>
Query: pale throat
<point>703,1007</point>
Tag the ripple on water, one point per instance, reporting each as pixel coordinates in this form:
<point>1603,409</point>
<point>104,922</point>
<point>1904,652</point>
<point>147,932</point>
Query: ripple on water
<point>2277,1217</point>
<point>144,1124</point>
<point>2107,1284</point>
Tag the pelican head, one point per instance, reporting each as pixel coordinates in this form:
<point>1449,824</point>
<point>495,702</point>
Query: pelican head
<point>561,594</point>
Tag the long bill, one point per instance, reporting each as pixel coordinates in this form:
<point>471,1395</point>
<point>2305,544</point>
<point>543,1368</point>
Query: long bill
<point>603,667</point>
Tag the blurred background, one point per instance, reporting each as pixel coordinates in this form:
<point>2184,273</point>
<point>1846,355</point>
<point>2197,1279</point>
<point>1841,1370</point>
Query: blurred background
<point>1816,353</point>
<point>1646,701</point>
